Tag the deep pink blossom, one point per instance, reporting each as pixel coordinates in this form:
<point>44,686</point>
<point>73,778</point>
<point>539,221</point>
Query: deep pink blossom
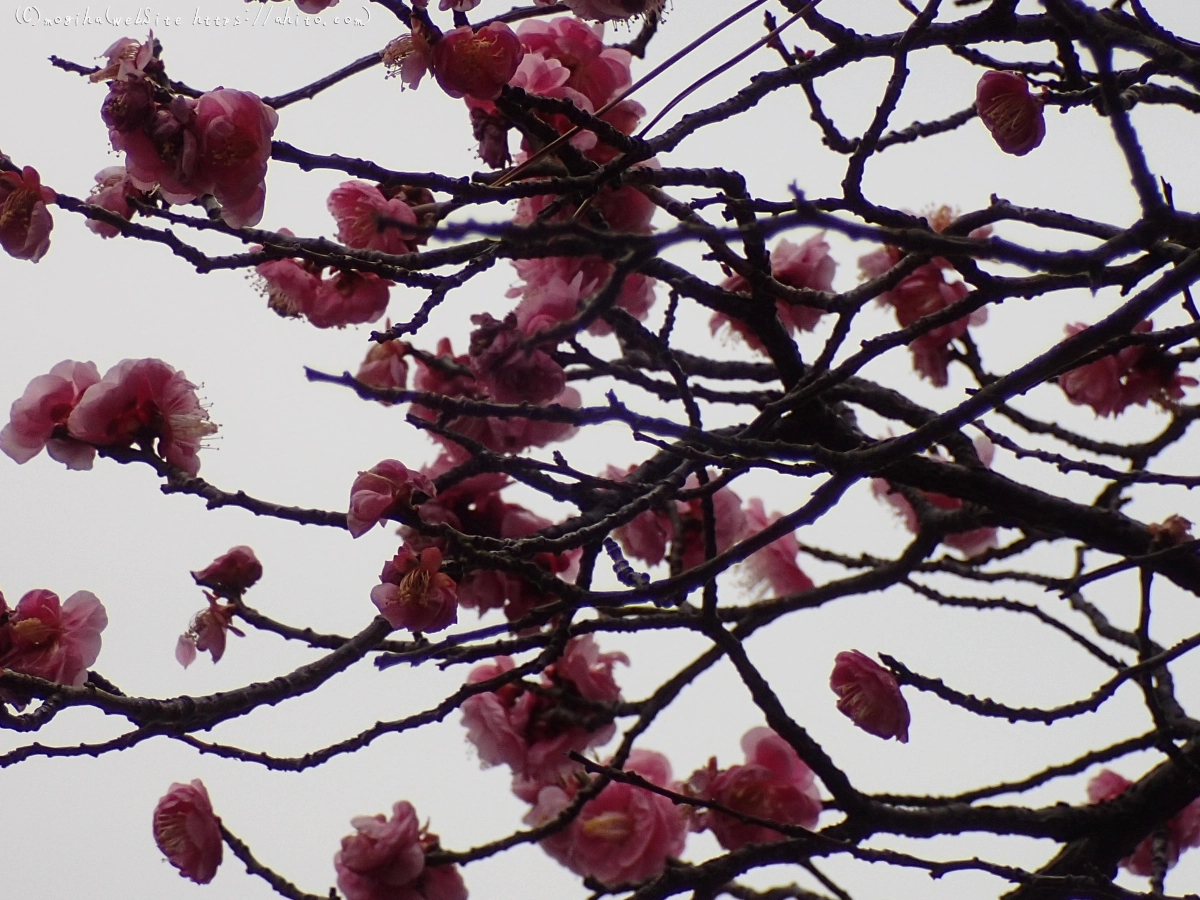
<point>1011,113</point>
<point>869,696</point>
<point>143,401</point>
<point>775,564</point>
<point>385,860</point>
<point>231,573</point>
<point>384,367</point>
<point>596,71</point>
<point>555,288</point>
<point>1132,376</point>
<point>349,298</point>
<point>806,265</point>
<point>414,593</point>
<point>1183,829</point>
<point>233,130</point>
<point>510,372</point>
<point>774,784</point>
<point>111,192</point>
<point>385,487</point>
<point>25,222</point>
<point>367,220</point>
<point>187,832</point>
<point>43,408</point>
<point>476,63</point>
<point>623,835</point>
<point>207,632</point>
<point>44,638</point>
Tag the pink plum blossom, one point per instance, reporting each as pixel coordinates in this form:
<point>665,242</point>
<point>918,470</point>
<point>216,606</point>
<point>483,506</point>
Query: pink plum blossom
<point>808,266</point>
<point>349,298</point>
<point>1011,113</point>
<point>774,784</point>
<point>187,832</point>
<point>141,401</point>
<point>1183,829</point>
<point>596,71</point>
<point>231,573</point>
<point>25,222</point>
<point>476,63</point>
<point>367,220</point>
<point>111,192</point>
<point>207,632</point>
<point>1131,376</point>
<point>380,490</point>
<point>384,367</point>
<point>508,371</point>
<point>775,564</point>
<point>622,836</point>
<point>414,593</point>
<point>869,696</point>
<point>46,639</point>
<point>128,60</point>
<point>385,860</point>
<point>234,131</point>
<point>43,409</point>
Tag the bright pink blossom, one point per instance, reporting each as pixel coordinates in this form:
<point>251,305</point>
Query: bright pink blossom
<point>233,130</point>
<point>141,401</point>
<point>25,222</point>
<point>596,71</point>
<point>380,490</point>
<point>44,638</point>
<point>478,63</point>
<point>42,409</point>
<point>414,593</point>
<point>231,573</point>
<point>1011,113</point>
<point>367,220</point>
<point>1131,376</point>
<point>187,832</point>
<point>1183,829</point>
<point>775,564</point>
<point>207,632</point>
<point>869,696</point>
<point>385,860</point>
<point>349,298</point>
<point>774,784</point>
<point>622,836</point>
<point>807,266</point>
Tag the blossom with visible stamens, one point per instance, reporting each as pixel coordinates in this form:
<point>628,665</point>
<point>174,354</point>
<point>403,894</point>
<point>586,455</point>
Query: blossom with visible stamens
<point>414,594</point>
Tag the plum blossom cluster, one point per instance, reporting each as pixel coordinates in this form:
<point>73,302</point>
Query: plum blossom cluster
<point>228,576</point>
<point>1130,377</point>
<point>72,410</point>
<point>1183,829</point>
<point>217,144</point>
<point>385,860</point>
<point>49,639</point>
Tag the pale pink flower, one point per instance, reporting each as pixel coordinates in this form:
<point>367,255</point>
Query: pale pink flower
<point>774,784</point>
<point>1183,829</point>
<point>43,408</point>
<point>385,487</point>
<point>207,632</point>
<point>476,63</point>
<point>598,72</point>
<point>233,130</point>
<point>509,372</point>
<point>1011,113</point>
<point>127,60</point>
<point>622,836</point>
<point>231,573</point>
<point>25,222</point>
<point>555,287</point>
<point>806,265</point>
<point>57,642</point>
<point>140,401</point>
<point>775,564</point>
<point>414,593</point>
<point>1131,376</point>
<point>869,696</point>
<point>187,832</point>
<point>111,192</point>
<point>367,220</point>
<point>349,298</point>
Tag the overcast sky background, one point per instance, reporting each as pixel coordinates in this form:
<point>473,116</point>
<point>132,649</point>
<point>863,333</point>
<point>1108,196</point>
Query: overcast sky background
<point>81,827</point>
